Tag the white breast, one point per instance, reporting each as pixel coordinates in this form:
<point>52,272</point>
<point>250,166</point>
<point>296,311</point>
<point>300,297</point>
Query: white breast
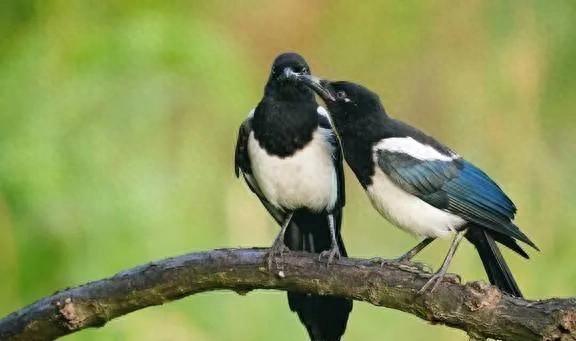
<point>408,211</point>
<point>305,179</point>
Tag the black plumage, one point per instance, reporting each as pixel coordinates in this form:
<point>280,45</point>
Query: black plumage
<point>285,123</point>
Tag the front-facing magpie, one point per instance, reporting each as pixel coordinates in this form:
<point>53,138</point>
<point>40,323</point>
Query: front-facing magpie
<point>291,159</point>
<point>420,185</point>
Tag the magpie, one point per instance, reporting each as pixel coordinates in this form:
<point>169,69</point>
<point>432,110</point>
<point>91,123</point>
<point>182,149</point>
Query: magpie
<point>291,159</point>
<point>421,185</point>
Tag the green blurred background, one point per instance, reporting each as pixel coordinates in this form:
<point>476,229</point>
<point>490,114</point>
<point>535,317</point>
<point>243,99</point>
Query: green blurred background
<point>118,121</point>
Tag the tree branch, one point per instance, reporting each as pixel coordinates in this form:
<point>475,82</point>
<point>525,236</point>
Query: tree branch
<point>477,308</point>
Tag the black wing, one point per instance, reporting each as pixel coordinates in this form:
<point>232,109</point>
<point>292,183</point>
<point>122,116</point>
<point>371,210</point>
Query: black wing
<point>456,186</point>
<point>242,166</point>
<point>241,158</point>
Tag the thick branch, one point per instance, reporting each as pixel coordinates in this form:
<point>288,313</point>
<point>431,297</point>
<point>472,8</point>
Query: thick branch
<point>477,308</point>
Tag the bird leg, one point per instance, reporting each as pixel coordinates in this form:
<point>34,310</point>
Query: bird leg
<point>415,250</point>
<point>439,275</point>
<point>407,256</point>
<point>334,251</point>
<point>278,248</point>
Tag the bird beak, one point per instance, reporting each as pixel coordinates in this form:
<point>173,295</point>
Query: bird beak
<point>321,87</point>
<point>289,74</point>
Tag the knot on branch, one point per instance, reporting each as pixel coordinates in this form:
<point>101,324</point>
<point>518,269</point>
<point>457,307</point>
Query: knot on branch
<point>70,317</point>
<point>565,329</point>
<point>481,295</point>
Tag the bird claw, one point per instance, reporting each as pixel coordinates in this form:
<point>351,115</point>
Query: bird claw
<point>330,255</point>
<point>434,281</point>
<point>394,261</point>
<point>381,261</point>
<point>278,249</point>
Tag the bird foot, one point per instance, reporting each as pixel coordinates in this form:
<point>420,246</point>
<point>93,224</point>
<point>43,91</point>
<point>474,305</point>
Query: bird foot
<point>394,261</point>
<point>334,252</point>
<point>434,281</point>
<point>277,249</point>
<point>381,261</point>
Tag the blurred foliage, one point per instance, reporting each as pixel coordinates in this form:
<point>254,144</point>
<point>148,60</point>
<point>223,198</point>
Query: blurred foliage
<point>118,121</point>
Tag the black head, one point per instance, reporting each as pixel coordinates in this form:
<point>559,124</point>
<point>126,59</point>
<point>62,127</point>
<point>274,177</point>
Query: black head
<point>347,102</point>
<point>283,81</point>
<point>290,60</point>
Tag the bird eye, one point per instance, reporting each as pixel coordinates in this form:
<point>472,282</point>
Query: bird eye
<point>341,94</point>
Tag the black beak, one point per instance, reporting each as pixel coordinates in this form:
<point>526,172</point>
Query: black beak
<point>321,87</point>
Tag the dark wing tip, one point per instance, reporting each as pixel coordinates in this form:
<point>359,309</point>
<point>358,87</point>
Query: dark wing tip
<point>534,246</point>
<point>529,242</point>
<point>523,237</point>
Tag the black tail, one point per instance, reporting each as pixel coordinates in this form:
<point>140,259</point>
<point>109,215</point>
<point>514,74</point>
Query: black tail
<point>496,268</point>
<point>324,317</point>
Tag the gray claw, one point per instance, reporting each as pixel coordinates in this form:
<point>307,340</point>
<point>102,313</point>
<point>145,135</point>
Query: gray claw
<point>276,250</point>
<point>435,280</point>
<point>330,254</point>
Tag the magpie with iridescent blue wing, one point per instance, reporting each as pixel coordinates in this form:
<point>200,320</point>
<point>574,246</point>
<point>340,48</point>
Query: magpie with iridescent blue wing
<point>420,185</point>
<point>291,159</point>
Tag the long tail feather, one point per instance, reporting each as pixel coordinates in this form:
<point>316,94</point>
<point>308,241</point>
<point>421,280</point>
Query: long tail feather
<point>325,317</point>
<point>496,268</point>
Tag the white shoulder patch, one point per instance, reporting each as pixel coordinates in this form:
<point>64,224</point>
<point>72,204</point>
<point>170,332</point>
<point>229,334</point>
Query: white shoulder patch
<point>408,145</point>
<point>322,111</point>
<point>251,113</point>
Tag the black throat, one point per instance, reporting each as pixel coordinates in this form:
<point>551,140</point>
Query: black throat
<point>285,119</point>
<point>358,136</point>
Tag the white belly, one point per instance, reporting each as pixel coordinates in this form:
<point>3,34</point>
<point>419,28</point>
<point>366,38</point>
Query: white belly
<point>306,179</point>
<point>408,211</point>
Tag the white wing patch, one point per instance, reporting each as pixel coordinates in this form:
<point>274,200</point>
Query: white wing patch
<point>409,146</point>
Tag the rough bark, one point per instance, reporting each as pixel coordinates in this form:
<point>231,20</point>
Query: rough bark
<point>477,308</point>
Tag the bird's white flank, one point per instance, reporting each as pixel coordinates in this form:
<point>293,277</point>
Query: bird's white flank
<point>407,211</point>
